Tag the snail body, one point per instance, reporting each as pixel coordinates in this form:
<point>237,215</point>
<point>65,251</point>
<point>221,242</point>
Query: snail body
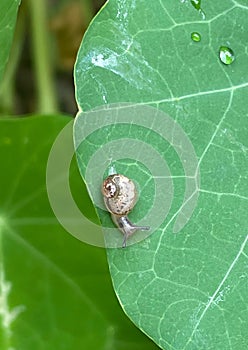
<point>120,196</point>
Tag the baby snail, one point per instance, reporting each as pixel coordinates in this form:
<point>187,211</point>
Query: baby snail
<point>120,196</point>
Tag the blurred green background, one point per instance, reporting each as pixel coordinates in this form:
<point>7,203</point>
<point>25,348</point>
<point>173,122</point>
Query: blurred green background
<point>39,74</point>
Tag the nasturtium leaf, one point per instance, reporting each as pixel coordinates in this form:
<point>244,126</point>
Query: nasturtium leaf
<point>186,290</point>
<point>55,291</point>
<point>8,14</point>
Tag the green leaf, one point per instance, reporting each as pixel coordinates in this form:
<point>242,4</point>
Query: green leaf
<point>55,291</point>
<point>8,15</point>
<point>185,290</point>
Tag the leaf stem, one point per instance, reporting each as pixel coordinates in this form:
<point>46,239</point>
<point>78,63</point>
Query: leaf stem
<point>88,11</point>
<point>47,99</point>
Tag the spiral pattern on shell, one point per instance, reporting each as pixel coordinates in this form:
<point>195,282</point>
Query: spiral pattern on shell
<point>121,200</point>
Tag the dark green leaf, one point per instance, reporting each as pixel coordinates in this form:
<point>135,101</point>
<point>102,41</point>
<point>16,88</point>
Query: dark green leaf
<point>55,291</point>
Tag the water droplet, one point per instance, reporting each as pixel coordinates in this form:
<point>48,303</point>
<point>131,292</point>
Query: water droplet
<point>202,14</point>
<point>196,36</point>
<point>226,55</point>
<point>197,6</point>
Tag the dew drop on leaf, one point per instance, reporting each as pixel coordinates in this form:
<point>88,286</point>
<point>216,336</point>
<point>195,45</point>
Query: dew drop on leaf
<point>226,55</point>
<point>196,36</point>
<point>196,4</point>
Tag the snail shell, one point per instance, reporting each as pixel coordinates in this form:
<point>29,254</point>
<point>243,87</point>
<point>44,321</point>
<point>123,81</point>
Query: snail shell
<point>120,197</point>
<point>119,194</point>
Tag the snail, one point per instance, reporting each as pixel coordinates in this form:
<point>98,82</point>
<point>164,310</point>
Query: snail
<point>120,196</point>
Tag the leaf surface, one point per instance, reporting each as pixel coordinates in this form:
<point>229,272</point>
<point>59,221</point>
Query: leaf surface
<point>187,290</point>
